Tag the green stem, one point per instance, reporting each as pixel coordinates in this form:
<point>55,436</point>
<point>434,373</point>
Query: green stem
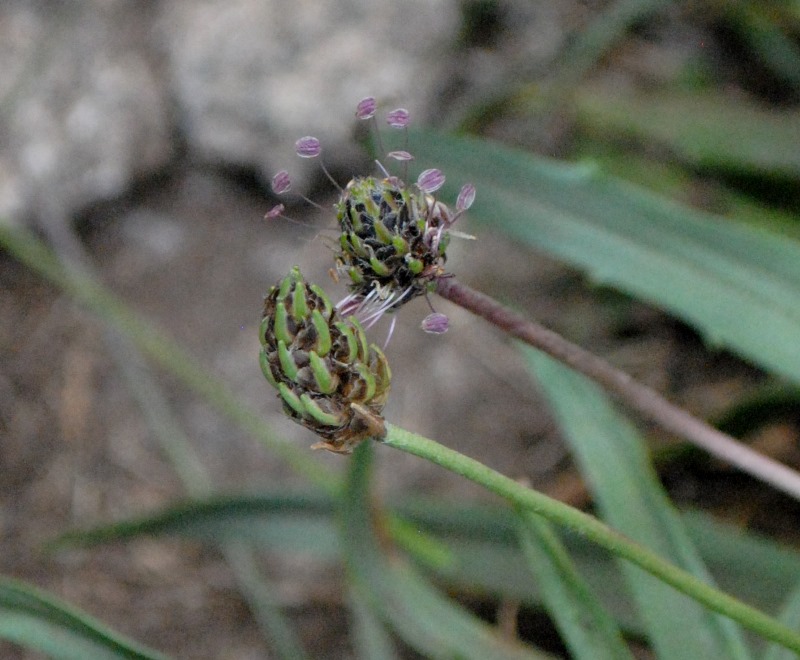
<point>596,531</point>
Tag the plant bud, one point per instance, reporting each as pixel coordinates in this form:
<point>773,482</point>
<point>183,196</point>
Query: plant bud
<point>327,376</point>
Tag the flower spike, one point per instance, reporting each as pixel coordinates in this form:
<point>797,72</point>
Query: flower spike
<point>393,240</point>
<point>327,376</point>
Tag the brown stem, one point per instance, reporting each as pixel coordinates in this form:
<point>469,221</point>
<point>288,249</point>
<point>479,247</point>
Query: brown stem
<point>639,397</point>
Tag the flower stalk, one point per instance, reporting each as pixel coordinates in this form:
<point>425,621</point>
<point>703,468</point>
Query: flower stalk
<point>621,546</point>
<point>641,398</point>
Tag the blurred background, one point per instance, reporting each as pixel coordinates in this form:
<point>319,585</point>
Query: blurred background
<point>139,139</point>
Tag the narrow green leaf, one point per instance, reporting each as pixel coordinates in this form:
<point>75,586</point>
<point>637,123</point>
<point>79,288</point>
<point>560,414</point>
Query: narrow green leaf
<point>586,628</point>
<point>36,620</point>
<point>470,548</point>
<point>282,522</point>
<point>266,606</point>
<point>613,459</point>
<point>424,618</point>
<point>706,129</point>
<point>371,639</point>
<point>764,25</point>
<point>738,285</point>
<point>790,616</point>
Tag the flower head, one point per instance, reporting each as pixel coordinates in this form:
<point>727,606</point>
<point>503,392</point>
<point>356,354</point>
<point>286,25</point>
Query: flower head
<point>391,245</point>
<point>327,376</point>
<point>393,235</point>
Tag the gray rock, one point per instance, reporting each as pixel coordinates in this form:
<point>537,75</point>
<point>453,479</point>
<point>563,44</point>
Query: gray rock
<point>82,113</point>
<point>252,76</point>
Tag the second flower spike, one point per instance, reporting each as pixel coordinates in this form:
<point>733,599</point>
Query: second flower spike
<point>328,377</point>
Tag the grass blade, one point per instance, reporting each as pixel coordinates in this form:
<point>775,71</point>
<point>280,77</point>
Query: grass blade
<point>704,129</point>
<point>281,522</point>
<point>34,619</point>
<point>790,616</point>
<point>627,492</point>
<point>424,618</point>
<point>372,640</point>
<point>586,628</point>
<point>738,285</point>
<point>172,357</point>
<point>476,546</point>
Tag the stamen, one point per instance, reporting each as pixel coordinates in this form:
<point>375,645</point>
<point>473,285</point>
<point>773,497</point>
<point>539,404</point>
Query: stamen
<point>430,180</point>
<point>366,108</point>
<point>310,147</point>
<point>398,118</point>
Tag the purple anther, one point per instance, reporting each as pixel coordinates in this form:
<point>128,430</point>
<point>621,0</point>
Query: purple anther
<point>397,118</point>
<point>308,147</point>
<point>366,108</point>
<point>435,324</point>
<point>430,180</point>
<point>275,212</point>
<point>281,183</point>
<point>465,197</point>
<point>400,155</point>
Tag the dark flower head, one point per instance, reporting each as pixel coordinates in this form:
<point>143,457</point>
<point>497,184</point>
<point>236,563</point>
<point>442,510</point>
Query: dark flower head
<point>391,245</point>
<point>393,235</point>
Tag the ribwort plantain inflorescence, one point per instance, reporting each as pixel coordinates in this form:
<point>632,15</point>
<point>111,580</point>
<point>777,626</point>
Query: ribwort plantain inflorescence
<point>328,377</point>
<point>391,248</point>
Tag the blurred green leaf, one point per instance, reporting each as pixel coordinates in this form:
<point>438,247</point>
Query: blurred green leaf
<point>762,25</point>
<point>613,459</point>
<point>586,628</point>
<point>671,179</point>
<point>36,620</point>
<point>476,552</point>
<point>283,522</point>
<point>706,129</point>
<point>425,619</point>
<point>172,357</point>
<point>790,616</point>
<point>738,285</point>
<point>371,638</point>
